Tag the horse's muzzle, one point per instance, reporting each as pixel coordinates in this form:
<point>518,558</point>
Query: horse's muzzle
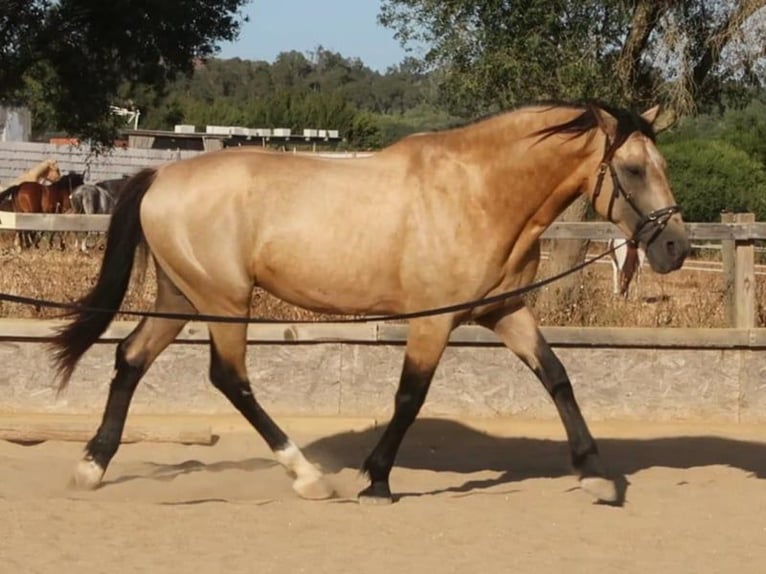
<point>669,249</point>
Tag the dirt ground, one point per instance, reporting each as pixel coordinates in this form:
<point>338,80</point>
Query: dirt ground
<point>473,497</point>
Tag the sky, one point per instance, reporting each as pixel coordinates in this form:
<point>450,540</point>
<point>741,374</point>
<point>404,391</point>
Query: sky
<point>349,27</point>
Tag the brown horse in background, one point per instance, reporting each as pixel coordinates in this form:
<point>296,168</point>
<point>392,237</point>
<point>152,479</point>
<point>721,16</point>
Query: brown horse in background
<point>433,220</point>
<point>34,197</point>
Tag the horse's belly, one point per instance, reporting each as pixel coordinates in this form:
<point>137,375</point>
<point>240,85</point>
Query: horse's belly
<point>327,282</point>
<point>329,297</point>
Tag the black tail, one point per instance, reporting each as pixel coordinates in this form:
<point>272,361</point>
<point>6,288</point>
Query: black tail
<point>6,193</point>
<point>123,238</point>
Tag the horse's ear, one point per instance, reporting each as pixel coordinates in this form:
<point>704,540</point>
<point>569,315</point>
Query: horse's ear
<point>651,114</point>
<point>607,123</point>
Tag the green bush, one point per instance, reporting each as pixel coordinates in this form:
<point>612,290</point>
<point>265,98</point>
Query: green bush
<point>709,176</point>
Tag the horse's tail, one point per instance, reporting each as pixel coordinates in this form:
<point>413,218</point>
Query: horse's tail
<point>97,309</point>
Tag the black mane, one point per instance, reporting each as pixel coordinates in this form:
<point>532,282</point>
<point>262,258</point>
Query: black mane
<point>628,122</point>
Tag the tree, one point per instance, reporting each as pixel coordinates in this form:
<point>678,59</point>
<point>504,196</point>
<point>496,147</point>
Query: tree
<point>496,54</point>
<point>87,49</point>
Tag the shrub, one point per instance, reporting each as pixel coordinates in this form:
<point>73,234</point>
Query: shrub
<point>710,175</point>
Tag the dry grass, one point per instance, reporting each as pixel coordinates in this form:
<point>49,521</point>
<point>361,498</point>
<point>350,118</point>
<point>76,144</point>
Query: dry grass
<point>686,298</point>
<point>682,299</point>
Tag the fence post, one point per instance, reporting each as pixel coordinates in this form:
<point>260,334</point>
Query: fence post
<point>738,258</point>
<point>728,264</point>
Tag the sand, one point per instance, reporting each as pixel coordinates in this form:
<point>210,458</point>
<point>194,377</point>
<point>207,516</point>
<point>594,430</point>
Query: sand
<point>485,498</point>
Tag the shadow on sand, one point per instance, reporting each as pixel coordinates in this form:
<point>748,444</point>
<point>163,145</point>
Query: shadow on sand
<point>444,445</point>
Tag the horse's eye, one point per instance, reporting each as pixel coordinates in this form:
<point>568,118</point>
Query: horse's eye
<point>634,170</point>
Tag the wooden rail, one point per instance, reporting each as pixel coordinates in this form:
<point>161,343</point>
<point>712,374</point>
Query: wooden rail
<point>736,232</point>
<point>593,230</point>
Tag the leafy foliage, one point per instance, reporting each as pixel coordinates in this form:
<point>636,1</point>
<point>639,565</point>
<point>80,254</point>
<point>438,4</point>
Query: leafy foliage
<point>717,161</point>
<point>709,176</point>
<point>497,53</point>
<point>83,50</point>
<point>323,90</point>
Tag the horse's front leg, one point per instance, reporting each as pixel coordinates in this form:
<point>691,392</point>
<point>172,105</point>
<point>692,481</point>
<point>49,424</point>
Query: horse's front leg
<point>518,330</point>
<point>426,341</point>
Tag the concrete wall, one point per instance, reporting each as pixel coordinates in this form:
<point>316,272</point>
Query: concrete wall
<point>641,374</point>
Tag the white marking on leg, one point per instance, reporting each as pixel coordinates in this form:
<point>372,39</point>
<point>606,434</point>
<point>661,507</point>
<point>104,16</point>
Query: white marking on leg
<point>87,475</point>
<point>601,488</point>
<point>309,482</point>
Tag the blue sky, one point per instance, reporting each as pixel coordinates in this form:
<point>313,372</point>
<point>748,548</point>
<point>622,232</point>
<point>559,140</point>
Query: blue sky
<point>346,26</point>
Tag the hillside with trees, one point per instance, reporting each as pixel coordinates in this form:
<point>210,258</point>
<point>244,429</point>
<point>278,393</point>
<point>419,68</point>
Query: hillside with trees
<point>321,90</point>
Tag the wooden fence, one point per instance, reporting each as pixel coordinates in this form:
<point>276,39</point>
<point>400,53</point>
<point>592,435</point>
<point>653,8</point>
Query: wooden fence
<point>737,234</point>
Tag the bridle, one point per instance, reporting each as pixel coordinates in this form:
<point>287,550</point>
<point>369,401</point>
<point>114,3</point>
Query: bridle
<point>657,219</point>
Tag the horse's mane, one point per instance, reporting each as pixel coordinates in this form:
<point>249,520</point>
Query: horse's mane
<point>628,122</point>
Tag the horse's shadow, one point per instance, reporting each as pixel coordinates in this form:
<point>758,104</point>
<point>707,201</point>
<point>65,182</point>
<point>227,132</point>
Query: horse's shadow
<point>445,445</point>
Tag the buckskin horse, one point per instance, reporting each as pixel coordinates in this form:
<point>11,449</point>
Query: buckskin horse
<point>432,220</point>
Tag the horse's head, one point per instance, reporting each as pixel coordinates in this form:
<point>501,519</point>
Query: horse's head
<point>630,188</point>
<point>52,173</point>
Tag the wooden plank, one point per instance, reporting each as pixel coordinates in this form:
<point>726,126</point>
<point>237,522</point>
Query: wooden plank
<point>52,222</point>
<point>30,430</point>
<point>648,337</point>
<point>744,277</point>
<point>729,266</point>
<point>32,330</point>
<point>602,230</point>
<point>644,337</point>
<point>597,231</point>
<point>720,231</point>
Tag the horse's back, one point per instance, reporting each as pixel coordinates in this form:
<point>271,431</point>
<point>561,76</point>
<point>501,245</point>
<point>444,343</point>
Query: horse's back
<point>301,227</point>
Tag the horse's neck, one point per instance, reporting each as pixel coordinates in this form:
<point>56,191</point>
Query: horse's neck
<point>39,171</point>
<point>556,168</point>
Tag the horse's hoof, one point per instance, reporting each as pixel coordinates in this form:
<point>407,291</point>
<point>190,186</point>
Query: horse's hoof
<point>313,488</point>
<point>377,494</point>
<point>87,475</point>
<point>602,489</point>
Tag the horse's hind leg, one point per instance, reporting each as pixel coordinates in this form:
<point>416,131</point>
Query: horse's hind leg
<point>425,344</point>
<point>517,328</point>
<point>229,375</point>
<point>133,357</point>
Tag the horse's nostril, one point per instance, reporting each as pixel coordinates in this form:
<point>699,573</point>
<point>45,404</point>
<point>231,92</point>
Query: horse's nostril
<point>672,249</point>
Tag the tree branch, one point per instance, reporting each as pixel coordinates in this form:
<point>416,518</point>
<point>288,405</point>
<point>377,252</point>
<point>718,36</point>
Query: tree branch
<point>646,14</point>
<point>722,36</point>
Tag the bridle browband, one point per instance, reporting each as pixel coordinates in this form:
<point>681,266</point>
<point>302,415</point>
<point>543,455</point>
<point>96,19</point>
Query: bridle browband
<point>658,219</point>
